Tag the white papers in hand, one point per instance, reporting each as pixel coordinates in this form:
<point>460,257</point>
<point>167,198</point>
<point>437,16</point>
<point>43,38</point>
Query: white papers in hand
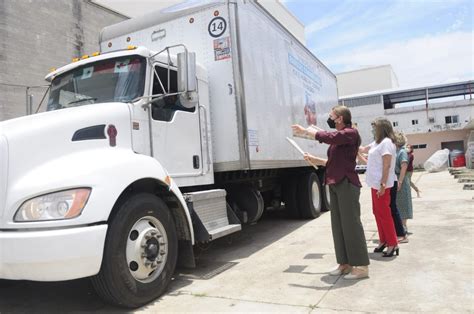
<point>295,145</point>
<point>298,148</point>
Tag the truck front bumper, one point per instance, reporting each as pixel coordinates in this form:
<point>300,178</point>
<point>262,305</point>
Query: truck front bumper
<point>51,255</point>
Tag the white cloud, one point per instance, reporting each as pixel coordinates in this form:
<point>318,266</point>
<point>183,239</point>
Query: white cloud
<point>339,14</point>
<point>458,22</point>
<point>424,60</point>
<point>325,22</point>
<point>357,22</point>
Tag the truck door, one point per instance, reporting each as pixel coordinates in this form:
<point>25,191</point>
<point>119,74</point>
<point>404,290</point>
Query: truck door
<point>175,130</point>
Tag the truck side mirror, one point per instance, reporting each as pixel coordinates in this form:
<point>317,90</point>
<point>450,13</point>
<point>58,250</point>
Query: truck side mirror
<point>187,83</point>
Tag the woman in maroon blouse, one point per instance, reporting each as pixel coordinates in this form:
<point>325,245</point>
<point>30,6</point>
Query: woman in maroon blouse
<point>344,187</point>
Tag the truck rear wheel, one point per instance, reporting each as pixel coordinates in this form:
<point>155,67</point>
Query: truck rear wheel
<point>326,198</point>
<point>140,253</point>
<point>309,196</point>
<point>290,196</point>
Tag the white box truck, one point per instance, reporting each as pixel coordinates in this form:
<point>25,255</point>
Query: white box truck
<point>173,134</point>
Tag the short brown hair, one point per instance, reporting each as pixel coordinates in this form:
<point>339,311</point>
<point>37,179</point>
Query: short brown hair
<point>344,112</point>
<point>383,128</point>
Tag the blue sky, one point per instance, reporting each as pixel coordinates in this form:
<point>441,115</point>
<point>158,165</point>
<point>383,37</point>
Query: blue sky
<point>426,41</point>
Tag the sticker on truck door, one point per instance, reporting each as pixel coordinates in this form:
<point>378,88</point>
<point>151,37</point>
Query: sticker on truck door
<point>87,73</point>
<point>217,26</point>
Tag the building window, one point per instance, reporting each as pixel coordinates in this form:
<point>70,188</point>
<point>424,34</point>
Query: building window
<point>418,146</point>
<point>451,119</point>
<point>414,122</point>
<point>431,120</point>
<point>395,123</point>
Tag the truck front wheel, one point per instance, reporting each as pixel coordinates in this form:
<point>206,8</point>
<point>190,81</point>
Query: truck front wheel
<point>140,253</point>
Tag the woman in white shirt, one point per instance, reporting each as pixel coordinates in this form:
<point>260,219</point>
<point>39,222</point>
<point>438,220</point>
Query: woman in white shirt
<point>380,176</point>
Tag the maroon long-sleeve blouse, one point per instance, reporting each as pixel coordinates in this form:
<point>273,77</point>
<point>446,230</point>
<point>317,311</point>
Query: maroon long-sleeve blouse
<point>342,153</point>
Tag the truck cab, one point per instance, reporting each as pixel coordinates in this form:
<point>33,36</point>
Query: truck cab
<point>161,111</point>
<point>120,138</point>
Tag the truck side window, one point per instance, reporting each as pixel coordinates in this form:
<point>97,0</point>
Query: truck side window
<point>164,109</point>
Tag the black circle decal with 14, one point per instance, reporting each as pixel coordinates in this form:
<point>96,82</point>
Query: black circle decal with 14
<point>217,26</point>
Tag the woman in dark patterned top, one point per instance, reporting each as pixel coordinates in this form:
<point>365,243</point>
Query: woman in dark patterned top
<point>344,187</point>
<point>410,169</point>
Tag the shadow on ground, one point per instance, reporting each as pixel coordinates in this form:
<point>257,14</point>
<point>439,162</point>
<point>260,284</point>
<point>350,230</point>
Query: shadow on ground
<point>211,259</point>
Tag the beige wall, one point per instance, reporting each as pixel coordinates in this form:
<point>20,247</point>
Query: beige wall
<point>433,142</point>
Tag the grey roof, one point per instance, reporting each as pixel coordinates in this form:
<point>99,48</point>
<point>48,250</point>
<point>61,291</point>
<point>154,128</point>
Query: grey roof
<point>393,96</point>
<point>455,86</point>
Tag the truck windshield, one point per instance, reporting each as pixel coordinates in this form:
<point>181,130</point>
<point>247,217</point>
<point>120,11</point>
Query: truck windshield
<point>113,80</point>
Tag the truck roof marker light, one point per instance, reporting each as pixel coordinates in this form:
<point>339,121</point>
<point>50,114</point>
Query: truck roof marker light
<point>75,59</point>
<point>52,70</point>
<point>191,20</point>
<point>216,13</point>
<point>131,47</point>
<point>95,54</point>
<point>84,57</point>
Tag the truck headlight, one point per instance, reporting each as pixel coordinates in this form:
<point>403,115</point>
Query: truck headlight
<point>54,206</point>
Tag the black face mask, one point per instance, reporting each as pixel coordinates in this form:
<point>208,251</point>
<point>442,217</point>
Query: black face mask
<point>331,123</point>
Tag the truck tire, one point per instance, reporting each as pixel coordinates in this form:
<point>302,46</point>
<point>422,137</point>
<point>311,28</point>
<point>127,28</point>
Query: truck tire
<point>140,253</point>
<point>309,196</point>
<point>290,196</point>
<point>326,199</point>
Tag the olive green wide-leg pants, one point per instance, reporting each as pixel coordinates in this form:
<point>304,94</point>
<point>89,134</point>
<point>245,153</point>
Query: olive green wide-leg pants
<point>347,230</point>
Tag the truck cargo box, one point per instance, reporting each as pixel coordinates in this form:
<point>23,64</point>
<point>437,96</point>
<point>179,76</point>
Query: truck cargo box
<point>261,78</point>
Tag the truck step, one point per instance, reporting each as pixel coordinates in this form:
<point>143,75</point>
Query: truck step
<point>223,231</point>
<point>210,214</point>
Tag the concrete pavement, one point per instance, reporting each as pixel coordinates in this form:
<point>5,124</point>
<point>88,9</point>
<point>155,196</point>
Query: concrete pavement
<point>280,265</point>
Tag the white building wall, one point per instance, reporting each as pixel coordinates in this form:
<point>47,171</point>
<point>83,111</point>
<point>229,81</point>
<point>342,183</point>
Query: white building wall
<point>284,16</point>
<point>366,80</point>
<point>463,109</point>
<point>364,115</point>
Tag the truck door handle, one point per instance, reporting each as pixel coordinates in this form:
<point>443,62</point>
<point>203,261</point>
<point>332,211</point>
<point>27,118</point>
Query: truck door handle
<point>196,162</point>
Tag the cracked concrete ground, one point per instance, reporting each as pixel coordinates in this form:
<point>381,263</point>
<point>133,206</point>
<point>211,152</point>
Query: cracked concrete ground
<point>280,265</point>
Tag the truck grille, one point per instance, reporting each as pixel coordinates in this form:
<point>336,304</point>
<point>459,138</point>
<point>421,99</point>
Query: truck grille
<point>3,173</point>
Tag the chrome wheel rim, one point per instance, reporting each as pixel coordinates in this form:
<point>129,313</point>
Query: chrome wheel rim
<point>147,249</point>
<point>328,199</point>
<point>315,196</point>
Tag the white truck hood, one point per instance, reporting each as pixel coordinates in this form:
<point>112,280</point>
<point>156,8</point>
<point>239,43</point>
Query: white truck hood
<point>29,142</point>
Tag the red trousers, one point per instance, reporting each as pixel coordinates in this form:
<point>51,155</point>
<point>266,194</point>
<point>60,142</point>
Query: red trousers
<point>383,217</point>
